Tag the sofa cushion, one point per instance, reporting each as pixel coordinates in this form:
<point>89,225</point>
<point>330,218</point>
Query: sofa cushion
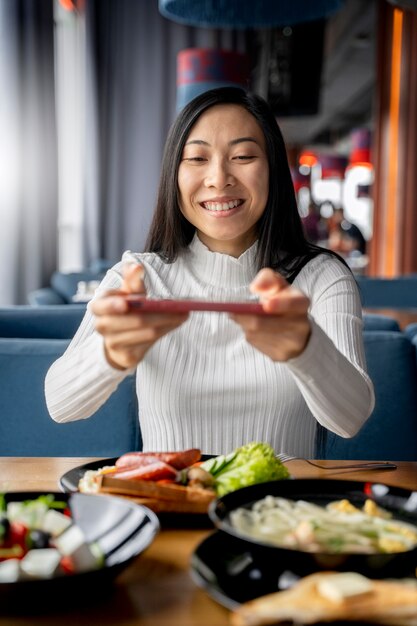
<point>411,331</point>
<point>377,321</point>
<point>26,428</point>
<point>66,284</point>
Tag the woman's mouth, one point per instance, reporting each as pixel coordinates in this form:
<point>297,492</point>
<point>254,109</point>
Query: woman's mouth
<point>221,206</point>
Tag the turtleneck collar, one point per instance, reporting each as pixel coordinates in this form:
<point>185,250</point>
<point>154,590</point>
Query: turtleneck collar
<point>210,267</point>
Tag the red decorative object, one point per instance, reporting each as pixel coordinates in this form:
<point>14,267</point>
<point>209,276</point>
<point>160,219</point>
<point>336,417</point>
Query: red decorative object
<point>332,166</point>
<point>361,147</point>
<point>201,69</point>
<point>68,5</point>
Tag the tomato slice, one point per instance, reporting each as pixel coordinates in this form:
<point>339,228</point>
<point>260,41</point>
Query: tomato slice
<point>67,565</point>
<point>18,533</point>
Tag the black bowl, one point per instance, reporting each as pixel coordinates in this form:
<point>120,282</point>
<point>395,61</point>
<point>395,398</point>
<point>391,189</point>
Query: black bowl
<point>401,503</point>
<point>121,528</point>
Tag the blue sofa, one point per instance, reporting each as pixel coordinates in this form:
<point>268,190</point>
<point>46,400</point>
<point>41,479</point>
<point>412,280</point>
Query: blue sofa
<point>388,293</point>
<point>26,428</point>
<point>377,321</point>
<point>64,285</point>
<point>41,322</point>
<point>391,431</point>
<point>31,338</point>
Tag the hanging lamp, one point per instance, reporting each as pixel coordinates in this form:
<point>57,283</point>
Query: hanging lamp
<point>247,13</point>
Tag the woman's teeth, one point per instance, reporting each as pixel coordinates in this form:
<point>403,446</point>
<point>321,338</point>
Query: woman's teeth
<point>221,206</point>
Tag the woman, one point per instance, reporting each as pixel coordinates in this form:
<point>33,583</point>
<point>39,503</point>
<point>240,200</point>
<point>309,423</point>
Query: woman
<point>226,227</point>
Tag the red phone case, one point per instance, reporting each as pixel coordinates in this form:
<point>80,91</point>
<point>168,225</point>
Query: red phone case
<point>142,303</point>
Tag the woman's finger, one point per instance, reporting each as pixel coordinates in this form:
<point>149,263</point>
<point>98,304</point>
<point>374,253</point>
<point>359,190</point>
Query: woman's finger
<point>133,278</point>
<point>109,305</point>
<point>288,301</point>
<point>268,283</point>
<point>133,321</point>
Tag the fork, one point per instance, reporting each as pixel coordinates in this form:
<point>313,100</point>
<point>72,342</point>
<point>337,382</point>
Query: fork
<point>376,465</point>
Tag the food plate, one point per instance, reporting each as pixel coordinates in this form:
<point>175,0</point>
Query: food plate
<point>122,529</point>
<point>401,503</point>
<point>70,480</point>
<point>231,575</point>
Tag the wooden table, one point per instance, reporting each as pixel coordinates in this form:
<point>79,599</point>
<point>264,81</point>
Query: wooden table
<point>157,589</point>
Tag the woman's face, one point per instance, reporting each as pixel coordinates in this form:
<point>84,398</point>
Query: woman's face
<point>223,178</point>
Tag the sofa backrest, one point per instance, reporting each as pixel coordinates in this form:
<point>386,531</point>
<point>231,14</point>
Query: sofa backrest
<point>46,322</point>
<point>26,428</point>
<point>390,293</point>
<point>391,431</point>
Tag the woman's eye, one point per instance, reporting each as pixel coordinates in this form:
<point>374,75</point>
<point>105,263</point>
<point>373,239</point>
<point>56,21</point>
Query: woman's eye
<point>244,157</point>
<point>194,159</point>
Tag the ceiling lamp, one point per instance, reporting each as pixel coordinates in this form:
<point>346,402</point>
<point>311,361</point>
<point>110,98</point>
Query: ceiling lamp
<point>307,159</point>
<point>246,13</point>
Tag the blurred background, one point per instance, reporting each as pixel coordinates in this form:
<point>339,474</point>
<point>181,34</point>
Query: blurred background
<point>89,89</point>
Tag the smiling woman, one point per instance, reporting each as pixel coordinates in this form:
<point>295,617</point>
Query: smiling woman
<point>223,179</point>
<point>226,227</point>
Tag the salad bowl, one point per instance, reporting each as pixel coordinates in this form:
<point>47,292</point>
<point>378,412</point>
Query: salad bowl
<point>398,504</point>
<point>119,529</point>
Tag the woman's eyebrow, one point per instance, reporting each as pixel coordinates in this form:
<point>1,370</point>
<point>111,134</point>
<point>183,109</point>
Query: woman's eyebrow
<point>242,140</point>
<point>199,142</point>
<point>233,142</point>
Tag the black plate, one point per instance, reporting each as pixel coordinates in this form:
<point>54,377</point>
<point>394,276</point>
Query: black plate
<point>230,574</point>
<point>122,529</point>
<point>402,503</point>
<point>70,480</point>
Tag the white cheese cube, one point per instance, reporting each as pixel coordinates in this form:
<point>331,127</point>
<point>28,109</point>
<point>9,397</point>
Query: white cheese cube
<point>55,523</point>
<point>9,571</point>
<point>40,563</point>
<point>30,515</point>
<point>72,543</point>
<point>339,587</point>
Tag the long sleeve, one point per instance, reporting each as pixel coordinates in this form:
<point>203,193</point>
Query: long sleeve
<point>331,372</point>
<point>81,380</point>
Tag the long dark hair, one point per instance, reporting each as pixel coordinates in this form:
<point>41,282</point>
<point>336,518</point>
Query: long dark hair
<point>281,241</point>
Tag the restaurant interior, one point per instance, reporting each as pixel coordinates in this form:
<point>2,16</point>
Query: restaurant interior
<point>89,90</point>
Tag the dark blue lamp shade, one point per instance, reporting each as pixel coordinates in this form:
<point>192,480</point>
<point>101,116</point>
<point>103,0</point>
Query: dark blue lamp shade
<point>201,69</point>
<point>247,13</point>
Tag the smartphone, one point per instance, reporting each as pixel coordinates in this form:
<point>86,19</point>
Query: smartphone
<point>184,305</point>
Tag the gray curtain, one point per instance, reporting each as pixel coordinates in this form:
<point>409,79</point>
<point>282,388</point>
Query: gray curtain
<point>131,96</point>
<point>28,189</point>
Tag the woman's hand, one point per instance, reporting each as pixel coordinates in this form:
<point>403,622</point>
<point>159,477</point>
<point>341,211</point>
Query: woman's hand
<point>128,335</point>
<point>285,334</point>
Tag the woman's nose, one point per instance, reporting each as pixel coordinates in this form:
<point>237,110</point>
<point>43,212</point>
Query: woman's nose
<point>218,175</point>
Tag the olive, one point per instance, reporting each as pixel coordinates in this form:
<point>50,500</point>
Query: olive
<point>38,539</point>
<point>4,528</point>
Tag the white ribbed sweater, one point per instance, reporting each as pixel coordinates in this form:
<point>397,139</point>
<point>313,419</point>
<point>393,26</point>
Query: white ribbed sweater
<point>204,386</point>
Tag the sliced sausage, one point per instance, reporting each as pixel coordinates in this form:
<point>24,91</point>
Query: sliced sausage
<point>157,470</point>
<point>179,460</point>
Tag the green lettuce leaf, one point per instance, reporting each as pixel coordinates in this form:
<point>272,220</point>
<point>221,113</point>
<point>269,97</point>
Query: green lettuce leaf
<point>248,465</point>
